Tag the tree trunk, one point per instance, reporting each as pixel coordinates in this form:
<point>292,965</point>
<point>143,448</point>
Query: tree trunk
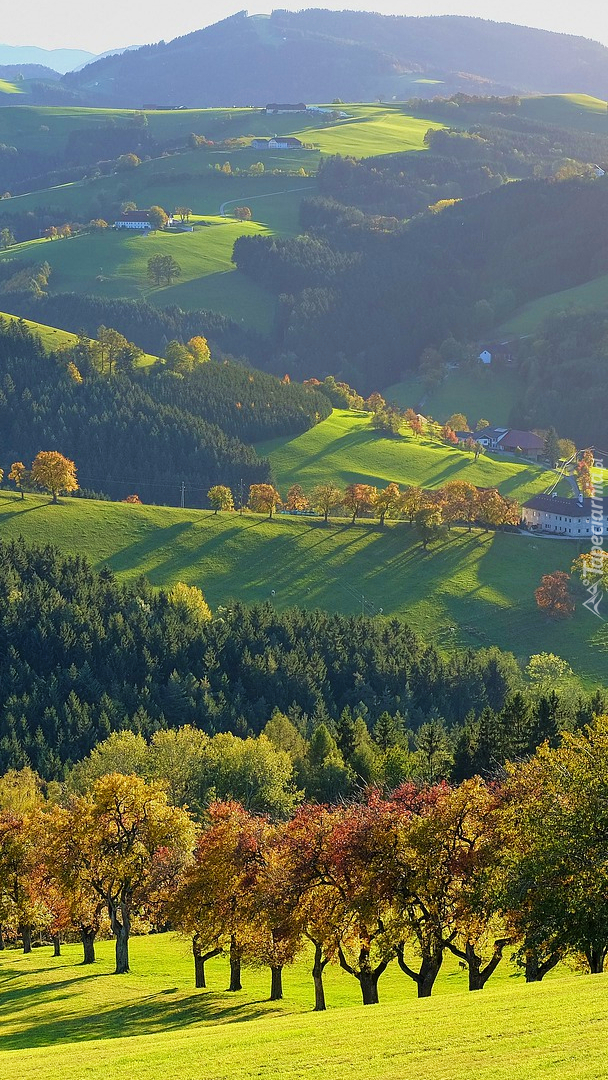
<point>55,497</point>
<point>26,937</point>
<point>430,965</point>
<point>121,925</point>
<point>276,983</point>
<point>317,975</point>
<point>479,976</point>
<point>595,959</point>
<point>56,945</point>
<point>235,966</point>
<point>1,940</point>
<point>366,975</point>
<point>535,970</point>
<point>200,959</point>
<point>369,987</point>
<point>87,936</point>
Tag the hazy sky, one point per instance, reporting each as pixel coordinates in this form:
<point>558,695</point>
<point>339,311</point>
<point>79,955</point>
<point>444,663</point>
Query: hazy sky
<point>97,27</point>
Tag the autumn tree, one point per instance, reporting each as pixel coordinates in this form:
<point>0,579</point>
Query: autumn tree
<point>189,601</point>
<point>458,422</point>
<point>198,347</point>
<point>388,502</point>
<point>429,525</point>
<point>459,501</point>
<point>54,472</point>
<point>325,498</point>
<point>220,498</point>
<point>296,501</point>
<point>242,213</point>
<point>264,498</point>
<point>18,475</point>
<point>112,838</point>
<point>358,499</point>
<point>158,217</point>
<point>553,595</point>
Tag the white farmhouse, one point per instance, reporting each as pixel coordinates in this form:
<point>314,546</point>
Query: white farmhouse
<point>566,517</point>
<point>134,219</point>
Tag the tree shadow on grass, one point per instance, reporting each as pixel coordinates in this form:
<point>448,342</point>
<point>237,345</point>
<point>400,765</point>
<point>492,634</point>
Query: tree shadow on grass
<point>133,1017</point>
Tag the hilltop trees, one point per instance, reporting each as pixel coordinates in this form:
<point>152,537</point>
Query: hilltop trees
<point>325,498</point>
<point>220,498</point>
<point>163,268</point>
<point>264,498</point>
<point>54,472</point>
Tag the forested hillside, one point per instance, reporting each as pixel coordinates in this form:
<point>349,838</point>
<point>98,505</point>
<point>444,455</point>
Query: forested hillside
<point>316,54</point>
<point>127,429</point>
<point>83,656</point>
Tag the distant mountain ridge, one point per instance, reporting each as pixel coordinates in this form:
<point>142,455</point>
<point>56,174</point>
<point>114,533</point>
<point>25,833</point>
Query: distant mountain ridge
<point>58,61</point>
<point>317,55</point>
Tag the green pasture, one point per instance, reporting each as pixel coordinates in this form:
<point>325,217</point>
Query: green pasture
<point>474,589</point>
<point>346,448</point>
<point>578,111</point>
<point>61,1019</point>
<point>486,393</point>
<point>52,338</point>
<point>114,264</point>
<point>529,319</point>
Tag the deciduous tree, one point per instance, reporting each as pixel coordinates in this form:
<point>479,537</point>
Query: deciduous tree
<point>54,472</point>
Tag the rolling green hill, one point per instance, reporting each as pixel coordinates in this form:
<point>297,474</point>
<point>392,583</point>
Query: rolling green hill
<point>475,589</point>
<point>53,338</point>
<point>593,294</point>
<point>345,448</point>
<point>580,111</point>
<point>487,393</point>
<point>60,1019</point>
<point>8,87</point>
<point>114,264</point>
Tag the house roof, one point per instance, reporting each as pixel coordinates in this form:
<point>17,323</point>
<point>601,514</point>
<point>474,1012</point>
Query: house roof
<point>489,433</point>
<point>555,504</point>
<point>526,440</point>
<point>287,140</point>
<point>134,215</point>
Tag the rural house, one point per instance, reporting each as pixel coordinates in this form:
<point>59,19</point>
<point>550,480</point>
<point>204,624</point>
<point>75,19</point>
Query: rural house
<point>278,142</point>
<point>511,441</point>
<point>134,219</point>
<point>274,108</point>
<point>570,517</point>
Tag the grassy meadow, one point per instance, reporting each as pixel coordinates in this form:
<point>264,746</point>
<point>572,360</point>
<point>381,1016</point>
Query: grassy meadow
<point>114,264</point>
<point>529,319</point>
<point>346,448</point>
<point>64,1020</point>
<point>487,393</point>
<point>578,111</point>
<point>53,339</point>
<point>474,589</point>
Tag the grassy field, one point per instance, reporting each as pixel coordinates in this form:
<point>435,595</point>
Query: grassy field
<point>64,1020</point>
<point>528,320</point>
<point>370,130</point>
<point>114,264</point>
<point>578,111</point>
<point>489,393</point>
<point>8,87</point>
<point>475,589</point>
<point>52,338</point>
<point>347,449</point>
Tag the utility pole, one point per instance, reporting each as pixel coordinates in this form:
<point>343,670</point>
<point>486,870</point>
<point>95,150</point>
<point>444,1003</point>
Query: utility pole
<point>183,496</point>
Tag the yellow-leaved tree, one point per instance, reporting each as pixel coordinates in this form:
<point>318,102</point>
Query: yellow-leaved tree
<point>54,472</point>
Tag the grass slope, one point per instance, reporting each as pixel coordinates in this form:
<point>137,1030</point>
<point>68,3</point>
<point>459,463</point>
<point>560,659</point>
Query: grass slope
<point>579,111</point>
<point>52,338</point>
<point>488,393</point>
<point>475,589</point>
<point>114,264</point>
<point>60,1019</point>
<point>370,130</point>
<point>9,88</point>
<point>591,295</point>
<point>345,448</point>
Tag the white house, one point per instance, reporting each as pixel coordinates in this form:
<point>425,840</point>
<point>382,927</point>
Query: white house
<point>134,219</point>
<point>566,517</point>
<point>485,357</point>
<point>598,170</point>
